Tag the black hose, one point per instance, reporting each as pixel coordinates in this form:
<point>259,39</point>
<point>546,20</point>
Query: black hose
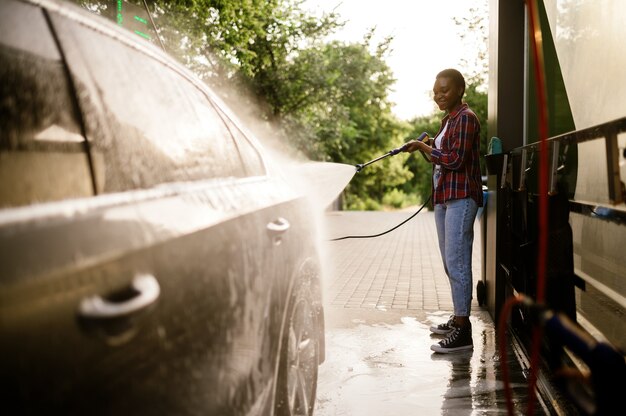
<point>389,230</point>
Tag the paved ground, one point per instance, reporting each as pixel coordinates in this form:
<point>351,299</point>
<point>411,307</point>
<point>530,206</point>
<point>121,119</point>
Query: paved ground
<point>381,296</point>
<point>399,270</point>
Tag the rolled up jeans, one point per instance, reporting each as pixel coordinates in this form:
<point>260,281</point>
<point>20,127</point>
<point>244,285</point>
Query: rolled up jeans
<point>455,230</point>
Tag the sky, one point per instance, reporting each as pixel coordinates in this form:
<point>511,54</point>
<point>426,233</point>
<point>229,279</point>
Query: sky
<point>426,40</point>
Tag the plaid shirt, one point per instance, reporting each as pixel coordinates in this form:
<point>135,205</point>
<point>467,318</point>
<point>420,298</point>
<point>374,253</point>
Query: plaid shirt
<point>459,158</point>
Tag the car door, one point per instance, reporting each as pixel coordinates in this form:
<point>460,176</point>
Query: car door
<point>163,293</point>
<point>45,184</point>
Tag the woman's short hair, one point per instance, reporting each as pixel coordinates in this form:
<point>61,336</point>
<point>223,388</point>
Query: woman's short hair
<point>455,76</point>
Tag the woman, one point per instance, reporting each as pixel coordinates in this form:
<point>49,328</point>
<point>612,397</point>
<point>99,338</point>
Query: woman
<point>457,194</point>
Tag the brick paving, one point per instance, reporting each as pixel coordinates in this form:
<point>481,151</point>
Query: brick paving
<point>399,270</point>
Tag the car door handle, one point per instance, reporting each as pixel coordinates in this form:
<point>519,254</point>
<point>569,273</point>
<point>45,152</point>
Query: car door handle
<point>142,292</point>
<point>277,228</point>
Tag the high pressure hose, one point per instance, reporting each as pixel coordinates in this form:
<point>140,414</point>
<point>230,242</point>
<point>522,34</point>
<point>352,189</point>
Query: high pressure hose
<point>389,230</point>
<point>422,137</point>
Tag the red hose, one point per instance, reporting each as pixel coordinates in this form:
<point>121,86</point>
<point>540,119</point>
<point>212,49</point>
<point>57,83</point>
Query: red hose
<point>504,367</point>
<point>542,253</point>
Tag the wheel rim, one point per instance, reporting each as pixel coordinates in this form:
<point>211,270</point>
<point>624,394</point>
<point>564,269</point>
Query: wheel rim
<point>302,356</point>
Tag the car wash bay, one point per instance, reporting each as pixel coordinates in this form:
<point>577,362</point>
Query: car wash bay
<point>381,296</point>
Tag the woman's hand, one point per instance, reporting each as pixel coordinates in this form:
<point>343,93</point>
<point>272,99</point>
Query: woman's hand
<point>414,145</point>
<point>422,146</point>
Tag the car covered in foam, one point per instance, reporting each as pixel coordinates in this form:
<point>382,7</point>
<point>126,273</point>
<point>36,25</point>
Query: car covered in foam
<point>152,259</point>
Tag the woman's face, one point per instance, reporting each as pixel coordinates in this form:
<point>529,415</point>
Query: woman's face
<point>446,94</point>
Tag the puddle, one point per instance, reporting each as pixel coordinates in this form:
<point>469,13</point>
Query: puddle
<point>384,366</point>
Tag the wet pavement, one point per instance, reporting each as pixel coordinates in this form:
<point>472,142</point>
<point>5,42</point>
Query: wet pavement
<point>381,296</point>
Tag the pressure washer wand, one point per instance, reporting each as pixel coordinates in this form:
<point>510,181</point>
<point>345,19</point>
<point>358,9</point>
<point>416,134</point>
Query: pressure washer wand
<point>422,137</point>
<point>390,153</point>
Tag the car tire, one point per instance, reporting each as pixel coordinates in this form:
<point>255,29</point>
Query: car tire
<point>300,348</point>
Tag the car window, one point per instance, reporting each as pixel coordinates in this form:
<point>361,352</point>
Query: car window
<point>252,160</point>
<point>161,127</point>
<point>42,151</point>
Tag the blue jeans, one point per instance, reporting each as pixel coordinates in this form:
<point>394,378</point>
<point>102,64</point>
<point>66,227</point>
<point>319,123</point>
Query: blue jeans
<point>455,230</point>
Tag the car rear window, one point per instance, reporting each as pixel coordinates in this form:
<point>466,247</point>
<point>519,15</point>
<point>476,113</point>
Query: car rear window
<point>160,126</point>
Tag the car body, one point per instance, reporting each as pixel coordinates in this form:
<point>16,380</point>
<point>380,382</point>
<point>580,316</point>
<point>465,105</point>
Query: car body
<point>152,259</point>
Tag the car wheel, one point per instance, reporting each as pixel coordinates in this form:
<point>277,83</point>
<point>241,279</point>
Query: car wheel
<point>300,351</point>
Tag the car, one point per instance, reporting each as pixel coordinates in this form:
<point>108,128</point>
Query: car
<point>154,259</point>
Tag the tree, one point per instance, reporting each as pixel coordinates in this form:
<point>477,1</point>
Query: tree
<point>476,98</point>
<point>473,29</point>
<point>343,114</point>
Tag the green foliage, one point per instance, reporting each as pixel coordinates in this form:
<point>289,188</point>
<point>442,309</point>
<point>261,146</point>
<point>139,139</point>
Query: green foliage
<point>477,100</point>
<point>246,43</point>
<point>396,198</point>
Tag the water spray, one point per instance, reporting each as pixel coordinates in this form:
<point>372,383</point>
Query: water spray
<point>422,138</point>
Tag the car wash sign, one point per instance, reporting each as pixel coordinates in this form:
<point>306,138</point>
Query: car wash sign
<point>134,18</point>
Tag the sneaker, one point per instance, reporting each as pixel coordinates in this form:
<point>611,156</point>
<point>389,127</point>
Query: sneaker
<point>459,339</point>
<point>444,329</point>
